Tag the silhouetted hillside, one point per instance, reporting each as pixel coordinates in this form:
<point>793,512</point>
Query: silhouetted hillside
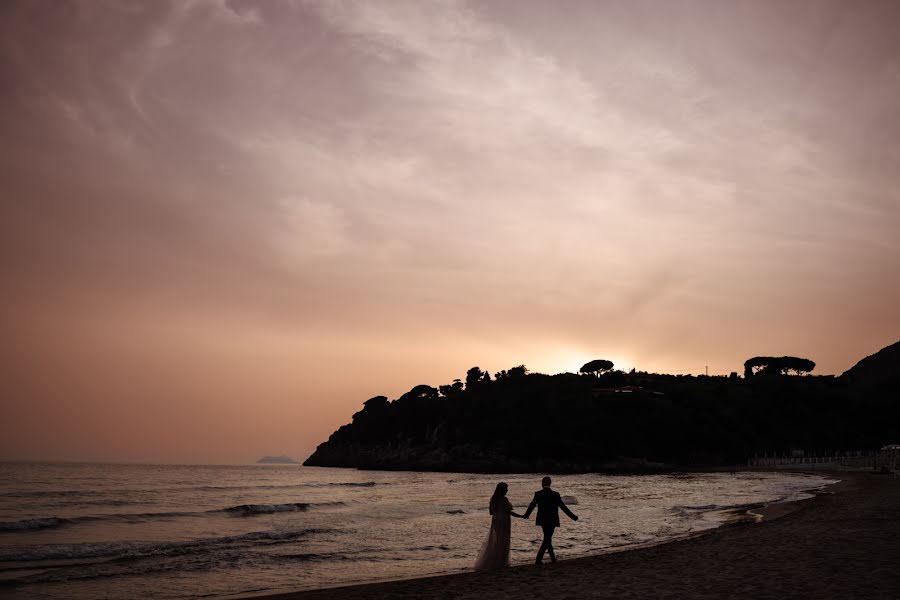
<point>526,422</point>
<point>883,366</point>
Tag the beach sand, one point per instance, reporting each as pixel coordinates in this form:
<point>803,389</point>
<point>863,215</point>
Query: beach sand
<point>844,543</point>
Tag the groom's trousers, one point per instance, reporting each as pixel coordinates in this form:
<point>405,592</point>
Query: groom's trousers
<point>547,544</point>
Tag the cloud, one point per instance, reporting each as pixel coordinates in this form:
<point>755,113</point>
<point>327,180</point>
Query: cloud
<point>312,229</point>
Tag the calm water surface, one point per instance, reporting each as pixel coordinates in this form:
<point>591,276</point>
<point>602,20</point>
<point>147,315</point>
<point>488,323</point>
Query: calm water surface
<point>124,531</point>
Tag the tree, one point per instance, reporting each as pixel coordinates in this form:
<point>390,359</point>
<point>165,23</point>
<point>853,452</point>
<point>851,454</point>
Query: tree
<point>419,392</point>
<point>797,365</point>
<point>596,367</point>
<point>452,390</point>
<point>373,408</point>
<point>513,373</point>
<point>517,372</point>
<point>474,376</point>
<point>777,365</point>
<point>376,403</point>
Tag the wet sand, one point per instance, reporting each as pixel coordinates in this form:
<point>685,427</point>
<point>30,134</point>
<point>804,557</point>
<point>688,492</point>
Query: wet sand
<point>844,543</point>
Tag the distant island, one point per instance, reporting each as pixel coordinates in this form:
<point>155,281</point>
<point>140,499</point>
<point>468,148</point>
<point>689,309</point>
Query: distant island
<point>606,420</point>
<point>284,459</point>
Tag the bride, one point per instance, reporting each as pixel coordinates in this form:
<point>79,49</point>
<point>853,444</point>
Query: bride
<point>495,551</point>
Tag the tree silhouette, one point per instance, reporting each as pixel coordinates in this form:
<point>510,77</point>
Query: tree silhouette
<point>517,372</point>
<point>797,365</point>
<point>452,390</point>
<point>474,376</point>
<point>777,365</point>
<point>376,403</point>
<point>419,392</point>
<point>596,367</point>
<point>513,373</point>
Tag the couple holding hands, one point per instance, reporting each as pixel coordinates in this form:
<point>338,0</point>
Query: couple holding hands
<point>495,551</point>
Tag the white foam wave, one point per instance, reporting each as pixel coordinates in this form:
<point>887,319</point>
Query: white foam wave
<point>136,549</point>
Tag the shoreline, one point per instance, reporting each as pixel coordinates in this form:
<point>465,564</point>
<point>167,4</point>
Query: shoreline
<point>724,556</point>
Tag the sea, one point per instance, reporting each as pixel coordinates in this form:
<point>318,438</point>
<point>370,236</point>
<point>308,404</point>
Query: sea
<point>79,531</point>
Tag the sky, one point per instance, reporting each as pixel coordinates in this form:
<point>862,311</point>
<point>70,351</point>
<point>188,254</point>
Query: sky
<point>224,225</point>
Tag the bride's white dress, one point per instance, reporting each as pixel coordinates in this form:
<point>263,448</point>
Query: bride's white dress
<point>495,550</point>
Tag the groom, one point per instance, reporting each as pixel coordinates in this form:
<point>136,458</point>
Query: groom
<point>548,502</point>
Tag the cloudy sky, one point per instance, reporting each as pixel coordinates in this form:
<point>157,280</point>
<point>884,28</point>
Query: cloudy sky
<point>225,224</point>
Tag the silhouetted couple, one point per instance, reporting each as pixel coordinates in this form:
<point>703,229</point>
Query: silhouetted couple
<point>495,551</point>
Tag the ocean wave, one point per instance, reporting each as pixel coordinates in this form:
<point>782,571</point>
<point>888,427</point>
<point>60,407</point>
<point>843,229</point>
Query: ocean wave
<point>245,510</point>
<point>129,550</point>
<point>76,496</point>
<point>94,503</point>
<point>263,509</point>
<point>311,557</point>
<point>37,523</point>
<point>695,513</point>
<point>290,486</point>
<point>356,484</point>
<point>53,493</point>
<point>241,510</point>
<point>31,524</point>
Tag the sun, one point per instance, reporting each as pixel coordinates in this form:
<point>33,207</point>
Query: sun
<point>570,360</point>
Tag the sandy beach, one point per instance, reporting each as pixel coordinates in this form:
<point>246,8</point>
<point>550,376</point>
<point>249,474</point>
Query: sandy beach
<point>841,544</point>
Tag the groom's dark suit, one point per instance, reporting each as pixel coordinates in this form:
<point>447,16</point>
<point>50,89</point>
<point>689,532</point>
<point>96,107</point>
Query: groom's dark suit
<point>548,504</point>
